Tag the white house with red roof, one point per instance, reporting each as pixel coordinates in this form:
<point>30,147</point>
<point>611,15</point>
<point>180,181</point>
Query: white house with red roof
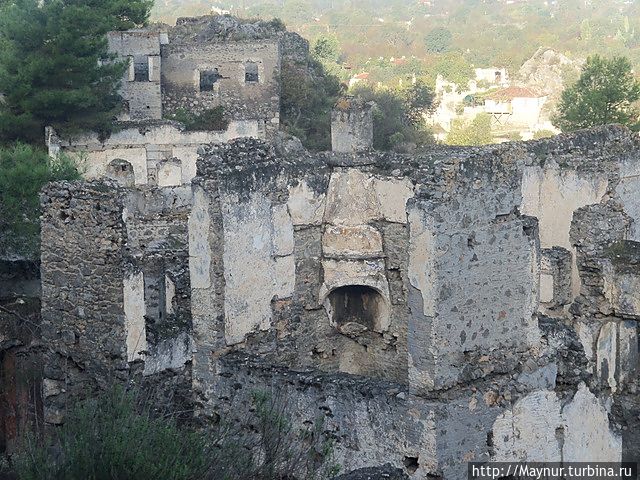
<point>516,106</point>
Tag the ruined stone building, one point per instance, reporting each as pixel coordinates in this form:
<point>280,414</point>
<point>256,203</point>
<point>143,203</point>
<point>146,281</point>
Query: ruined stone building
<point>189,69</point>
<point>463,304</point>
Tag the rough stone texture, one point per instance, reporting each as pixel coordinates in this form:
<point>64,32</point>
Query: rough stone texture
<point>351,126</point>
<point>375,473</point>
<point>106,286</point>
<point>241,99</point>
<point>405,299</point>
<point>142,94</point>
<point>83,239</point>
<point>555,278</point>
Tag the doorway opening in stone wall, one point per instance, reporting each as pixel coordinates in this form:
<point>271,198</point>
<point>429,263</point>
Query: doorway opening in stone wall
<point>354,309</point>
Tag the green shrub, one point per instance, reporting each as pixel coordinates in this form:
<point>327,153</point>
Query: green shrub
<point>543,134</point>
<point>24,170</point>
<point>209,120</point>
<point>110,438</point>
<point>119,436</point>
<point>476,132</point>
<point>398,116</point>
<point>308,95</point>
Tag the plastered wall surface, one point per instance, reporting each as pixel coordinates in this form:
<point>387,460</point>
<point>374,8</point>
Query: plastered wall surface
<point>397,297</point>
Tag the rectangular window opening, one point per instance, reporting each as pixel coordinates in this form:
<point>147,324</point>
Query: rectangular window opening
<point>251,72</point>
<point>141,68</point>
<point>208,79</point>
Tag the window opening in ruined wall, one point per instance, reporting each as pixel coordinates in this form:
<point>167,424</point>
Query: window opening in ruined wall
<point>141,68</point>
<point>251,72</point>
<point>208,78</point>
<point>356,304</point>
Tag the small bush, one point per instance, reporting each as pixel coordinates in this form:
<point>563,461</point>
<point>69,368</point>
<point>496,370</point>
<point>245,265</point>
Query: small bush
<point>24,170</point>
<point>543,134</point>
<point>210,120</point>
<point>111,438</point>
<point>118,436</point>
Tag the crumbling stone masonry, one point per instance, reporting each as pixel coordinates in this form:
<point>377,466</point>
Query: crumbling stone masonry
<point>352,126</point>
<point>189,69</point>
<point>433,308</point>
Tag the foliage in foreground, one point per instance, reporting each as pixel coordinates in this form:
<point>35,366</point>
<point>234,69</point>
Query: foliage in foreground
<point>120,436</point>
<point>308,95</point>
<point>24,170</point>
<point>605,93</point>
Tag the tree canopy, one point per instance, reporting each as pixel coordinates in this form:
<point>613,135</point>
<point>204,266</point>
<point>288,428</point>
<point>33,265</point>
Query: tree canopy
<point>24,170</point>
<point>54,65</point>
<point>476,132</point>
<point>438,40</point>
<point>398,118</point>
<point>605,93</point>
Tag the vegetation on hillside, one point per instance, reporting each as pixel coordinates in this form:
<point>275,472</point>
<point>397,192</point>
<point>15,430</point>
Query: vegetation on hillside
<point>484,34</point>
<point>605,93</point>
<point>475,132</point>
<point>208,120</point>
<point>308,93</point>
<point>398,120</point>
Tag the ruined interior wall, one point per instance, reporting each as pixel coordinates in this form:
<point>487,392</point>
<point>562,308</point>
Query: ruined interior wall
<point>288,243</point>
<point>350,411</point>
<point>183,62</point>
<point>116,288</point>
<point>473,270</point>
<point>157,283</point>
<point>148,148</point>
<point>83,237</point>
<point>568,173</point>
<point>462,359</point>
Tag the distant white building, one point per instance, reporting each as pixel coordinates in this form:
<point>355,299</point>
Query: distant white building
<point>517,107</point>
<point>219,11</point>
<point>493,76</point>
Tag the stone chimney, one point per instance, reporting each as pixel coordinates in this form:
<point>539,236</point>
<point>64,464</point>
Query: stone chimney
<point>352,125</point>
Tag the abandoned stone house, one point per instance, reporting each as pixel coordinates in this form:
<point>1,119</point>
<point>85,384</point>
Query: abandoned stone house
<point>463,304</point>
<point>190,68</point>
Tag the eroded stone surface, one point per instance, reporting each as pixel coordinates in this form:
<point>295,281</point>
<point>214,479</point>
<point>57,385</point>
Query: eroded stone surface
<point>461,361</point>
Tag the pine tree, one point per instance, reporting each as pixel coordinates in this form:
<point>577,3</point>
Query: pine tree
<point>54,65</point>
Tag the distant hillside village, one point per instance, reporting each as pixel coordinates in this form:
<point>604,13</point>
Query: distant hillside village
<point>519,106</point>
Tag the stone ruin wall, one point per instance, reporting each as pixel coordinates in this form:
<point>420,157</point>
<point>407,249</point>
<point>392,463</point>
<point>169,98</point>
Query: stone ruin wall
<point>143,99</point>
<point>115,281</point>
<point>157,153</point>
<point>352,126</point>
<point>242,100</point>
<point>160,152</point>
<point>479,345</point>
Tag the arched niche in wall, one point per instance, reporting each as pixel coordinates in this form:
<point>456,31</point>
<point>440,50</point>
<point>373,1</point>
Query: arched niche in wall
<point>354,309</point>
<point>121,171</point>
